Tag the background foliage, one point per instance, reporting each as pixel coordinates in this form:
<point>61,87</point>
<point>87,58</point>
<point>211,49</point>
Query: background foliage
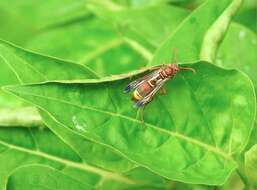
<point>66,124</point>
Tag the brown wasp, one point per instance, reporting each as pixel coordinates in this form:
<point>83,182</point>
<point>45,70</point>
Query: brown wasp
<point>145,88</point>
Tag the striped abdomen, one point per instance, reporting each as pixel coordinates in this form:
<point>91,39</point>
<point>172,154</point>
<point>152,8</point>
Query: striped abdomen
<point>142,91</point>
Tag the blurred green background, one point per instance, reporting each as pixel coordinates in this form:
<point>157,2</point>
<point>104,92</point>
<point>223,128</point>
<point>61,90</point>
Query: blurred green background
<point>77,31</point>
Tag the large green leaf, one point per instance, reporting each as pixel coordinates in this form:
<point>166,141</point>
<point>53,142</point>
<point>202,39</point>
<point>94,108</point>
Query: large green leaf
<point>88,150</point>
<point>238,50</point>
<point>203,123</point>
<point>19,64</point>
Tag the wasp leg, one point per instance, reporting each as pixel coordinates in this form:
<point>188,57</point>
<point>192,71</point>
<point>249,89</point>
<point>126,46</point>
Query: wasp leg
<point>142,114</point>
<point>188,68</point>
<point>162,91</point>
<point>143,109</point>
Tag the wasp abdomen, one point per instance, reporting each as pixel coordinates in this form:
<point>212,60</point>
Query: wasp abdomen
<point>142,91</point>
<point>136,96</point>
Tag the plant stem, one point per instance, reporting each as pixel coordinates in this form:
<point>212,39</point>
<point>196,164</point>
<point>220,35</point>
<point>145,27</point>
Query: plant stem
<point>216,32</point>
<point>20,117</point>
<point>241,173</point>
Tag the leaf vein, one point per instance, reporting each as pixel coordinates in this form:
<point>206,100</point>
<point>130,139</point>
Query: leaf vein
<point>179,135</point>
<point>81,166</point>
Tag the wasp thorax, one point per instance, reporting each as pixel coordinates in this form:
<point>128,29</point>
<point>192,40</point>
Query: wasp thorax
<point>171,69</point>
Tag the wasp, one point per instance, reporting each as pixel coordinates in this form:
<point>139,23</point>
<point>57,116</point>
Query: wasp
<point>145,88</point>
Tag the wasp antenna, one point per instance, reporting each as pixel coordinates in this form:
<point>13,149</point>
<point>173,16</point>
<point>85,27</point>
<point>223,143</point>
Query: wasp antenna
<point>175,55</point>
<point>188,68</point>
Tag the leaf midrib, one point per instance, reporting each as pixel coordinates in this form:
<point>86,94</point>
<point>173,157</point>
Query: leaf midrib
<point>175,134</point>
<point>98,51</point>
<point>81,166</point>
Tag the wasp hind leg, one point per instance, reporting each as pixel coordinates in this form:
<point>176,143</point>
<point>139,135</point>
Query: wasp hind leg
<point>143,109</point>
<point>142,114</point>
<point>162,91</point>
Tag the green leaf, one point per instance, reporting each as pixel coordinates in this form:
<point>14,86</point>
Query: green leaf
<point>251,165</point>
<point>198,35</point>
<point>27,18</point>
<point>89,151</point>
<point>8,101</point>
<point>77,41</point>
<point>84,43</point>
<point>238,51</point>
<point>23,66</point>
<point>36,177</point>
<point>142,24</point>
<point>203,123</point>
<point>19,66</point>
<point>93,153</point>
<point>22,146</point>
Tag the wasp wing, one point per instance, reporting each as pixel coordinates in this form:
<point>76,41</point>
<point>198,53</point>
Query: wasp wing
<point>134,84</point>
<point>149,97</point>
